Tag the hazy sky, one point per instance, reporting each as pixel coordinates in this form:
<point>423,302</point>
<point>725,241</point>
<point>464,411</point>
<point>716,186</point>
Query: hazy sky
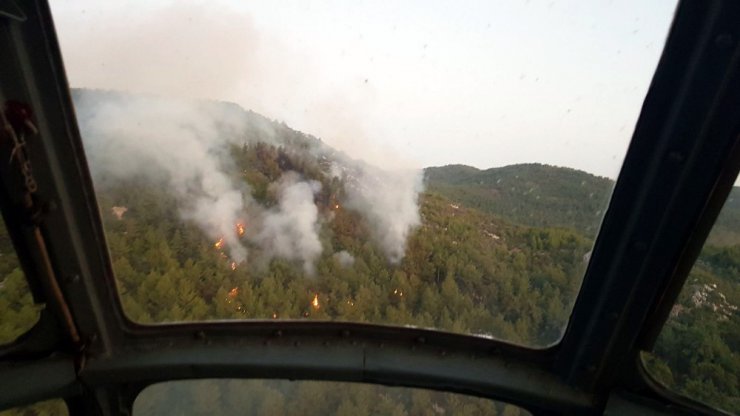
<point>485,83</point>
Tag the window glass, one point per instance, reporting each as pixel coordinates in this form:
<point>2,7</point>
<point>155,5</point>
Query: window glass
<point>697,351</point>
<point>436,164</point>
<point>55,407</point>
<point>18,313</point>
<point>278,397</point>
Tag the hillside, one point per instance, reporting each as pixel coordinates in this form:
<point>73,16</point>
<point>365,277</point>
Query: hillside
<point>463,270</point>
<point>215,212</point>
<point>726,231</point>
<point>530,194</point>
<point>549,196</point>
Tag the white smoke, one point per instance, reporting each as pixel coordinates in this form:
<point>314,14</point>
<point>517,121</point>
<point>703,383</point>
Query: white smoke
<point>185,144</point>
<point>291,230</point>
<point>388,199</point>
<point>252,66</point>
<point>344,258</point>
<point>179,142</point>
<point>218,216</point>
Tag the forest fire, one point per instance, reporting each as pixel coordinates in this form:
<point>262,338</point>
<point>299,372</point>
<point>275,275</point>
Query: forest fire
<point>315,301</point>
<point>233,265</point>
<point>240,229</point>
<point>233,293</point>
<point>219,244</point>
<point>119,211</point>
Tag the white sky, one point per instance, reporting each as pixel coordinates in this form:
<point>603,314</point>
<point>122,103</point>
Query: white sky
<point>484,83</point>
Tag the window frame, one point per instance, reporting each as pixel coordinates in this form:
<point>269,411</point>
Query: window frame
<point>666,198</point>
<point>666,166</point>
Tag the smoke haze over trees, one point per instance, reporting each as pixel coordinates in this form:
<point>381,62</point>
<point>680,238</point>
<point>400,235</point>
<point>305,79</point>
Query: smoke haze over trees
<point>230,215</point>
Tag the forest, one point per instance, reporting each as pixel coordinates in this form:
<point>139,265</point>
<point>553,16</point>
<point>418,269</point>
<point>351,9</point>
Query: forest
<point>498,253</point>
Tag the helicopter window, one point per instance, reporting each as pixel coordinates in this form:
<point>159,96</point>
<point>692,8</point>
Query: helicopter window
<point>280,397</point>
<point>696,353</point>
<point>18,313</point>
<point>55,407</point>
<point>433,165</point>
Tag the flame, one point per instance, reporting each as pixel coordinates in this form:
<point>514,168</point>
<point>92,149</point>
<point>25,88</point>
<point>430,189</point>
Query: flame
<point>336,206</point>
<point>219,244</point>
<point>233,293</point>
<point>315,301</point>
<point>274,316</point>
<point>240,229</point>
<point>233,265</point>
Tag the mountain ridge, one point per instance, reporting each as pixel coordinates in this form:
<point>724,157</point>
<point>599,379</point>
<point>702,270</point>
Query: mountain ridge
<point>498,253</point>
<point>543,195</point>
<point>530,194</point>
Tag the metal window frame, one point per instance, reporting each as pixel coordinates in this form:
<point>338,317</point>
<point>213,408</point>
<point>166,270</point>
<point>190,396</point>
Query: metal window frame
<point>679,168</point>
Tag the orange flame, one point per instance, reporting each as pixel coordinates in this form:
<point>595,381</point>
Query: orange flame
<point>233,293</point>
<point>233,265</point>
<point>315,301</point>
<point>336,206</point>
<point>240,229</point>
<point>219,244</point>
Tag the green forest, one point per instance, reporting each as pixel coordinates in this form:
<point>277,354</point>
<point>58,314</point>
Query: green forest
<point>696,353</point>
<point>499,253</point>
<point>464,270</point>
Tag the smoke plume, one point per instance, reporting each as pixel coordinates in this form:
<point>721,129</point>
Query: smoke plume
<point>344,258</point>
<point>183,141</point>
<point>178,142</point>
<point>291,230</point>
<point>185,146</point>
<point>388,199</point>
